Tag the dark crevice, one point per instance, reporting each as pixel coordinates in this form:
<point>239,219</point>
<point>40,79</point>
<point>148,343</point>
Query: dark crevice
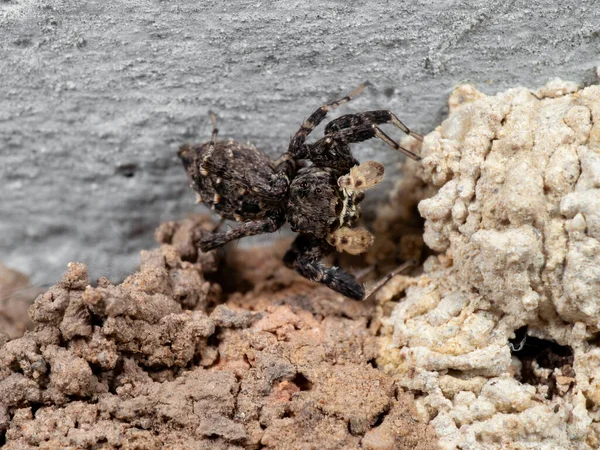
<point>34,407</point>
<point>535,352</point>
<point>247,360</point>
<point>344,315</point>
<point>516,344</point>
<point>302,382</point>
<point>15,367</point>
<point>594,340</point>
<point>213,340</point>
<point>229,278</point>
<point>380,418</point>
<point>126,170</point>
<point>97,321</point>
<point>116,372</point>
<point>455,373</point>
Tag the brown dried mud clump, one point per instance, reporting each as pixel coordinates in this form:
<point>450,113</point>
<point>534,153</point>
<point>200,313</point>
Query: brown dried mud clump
<point>167,360</point>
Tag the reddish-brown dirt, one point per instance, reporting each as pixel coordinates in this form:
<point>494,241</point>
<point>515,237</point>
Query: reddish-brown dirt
<point>199,351</point>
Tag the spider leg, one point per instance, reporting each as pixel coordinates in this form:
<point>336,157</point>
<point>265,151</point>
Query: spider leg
<point>296,147</point>
<point>332,150</point>
<point>369,117</point>
<point>215,130</point>
<point>210,241</point>
<point>388,140</point>
<point>304,257</point>
<point>383,280</point>
<point>285,170</point>
<point>213,141</point>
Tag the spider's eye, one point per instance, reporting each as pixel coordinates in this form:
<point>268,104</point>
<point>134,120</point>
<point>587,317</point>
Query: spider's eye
<point>318,190</point>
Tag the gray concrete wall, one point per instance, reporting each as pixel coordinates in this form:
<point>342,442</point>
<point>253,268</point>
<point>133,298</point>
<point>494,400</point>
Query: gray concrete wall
<point>95,97</point>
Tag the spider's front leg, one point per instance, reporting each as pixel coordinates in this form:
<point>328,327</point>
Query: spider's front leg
<point>369,118</point>
<point>210,241</point>
<point>285,168</point>
<point>305,257</point>
<point>297,148</point>
<point>333,150</point>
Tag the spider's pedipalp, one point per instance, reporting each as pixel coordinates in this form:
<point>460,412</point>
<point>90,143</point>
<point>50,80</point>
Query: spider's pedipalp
<point>362,177</point>
<point>351,240</point>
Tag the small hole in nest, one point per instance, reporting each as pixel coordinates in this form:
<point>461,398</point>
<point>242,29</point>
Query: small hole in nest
<point>534,352</point>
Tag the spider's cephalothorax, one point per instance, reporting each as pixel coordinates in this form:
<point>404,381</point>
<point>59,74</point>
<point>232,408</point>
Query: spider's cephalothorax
<point>320,200</point>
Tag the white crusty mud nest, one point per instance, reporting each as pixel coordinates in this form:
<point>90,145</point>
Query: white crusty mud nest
<point>499,337</point>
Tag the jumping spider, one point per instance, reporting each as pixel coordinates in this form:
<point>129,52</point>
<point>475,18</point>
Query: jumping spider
<point>319,200</point>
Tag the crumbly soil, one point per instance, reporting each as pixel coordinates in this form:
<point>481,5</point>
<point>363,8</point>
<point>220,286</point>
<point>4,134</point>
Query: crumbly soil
<point>201,351</point>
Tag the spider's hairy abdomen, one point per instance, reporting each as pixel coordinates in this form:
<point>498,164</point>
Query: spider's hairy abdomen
<point>233,179</point>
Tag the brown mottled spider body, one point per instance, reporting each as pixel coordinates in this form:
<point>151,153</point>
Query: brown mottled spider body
<point>320,201</point>
<point>234,180</point>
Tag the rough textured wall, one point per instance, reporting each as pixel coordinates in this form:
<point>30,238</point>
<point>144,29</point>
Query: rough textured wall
<point>96,96</point>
